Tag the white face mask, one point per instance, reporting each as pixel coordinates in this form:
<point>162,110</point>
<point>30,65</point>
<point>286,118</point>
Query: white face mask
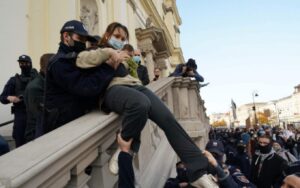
<point>115,43</point>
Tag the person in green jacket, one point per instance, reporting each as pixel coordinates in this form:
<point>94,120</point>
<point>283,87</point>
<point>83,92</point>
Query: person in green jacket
<point>33,98</point>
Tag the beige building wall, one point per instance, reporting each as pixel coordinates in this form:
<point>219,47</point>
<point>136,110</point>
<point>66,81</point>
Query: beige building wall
<point>33,28</point>
<point>14,38</point>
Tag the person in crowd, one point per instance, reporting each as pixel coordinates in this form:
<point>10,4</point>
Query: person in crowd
<point>93,43</point>
<point>181,179</point>
<point>33,98</point>
<point>290,145</point>
<point>266,167</point>
<point>13,92</point>
<point>242,160</point>
<point>157,73</point>
<point>253,144</point>
<point>240,178</point>
<point>245,136</point>
<point>216,148</point>
<point>4,148</point>
<point>225,179</point>
<point>285,154</point>
<point>128,97</point>
<point>141,70</point>
<point>131,64</point>
<point>291,181</point>
<point>71,91</point>
<point>188,69</point>
<point>231,150</point>
<point>297,141</point>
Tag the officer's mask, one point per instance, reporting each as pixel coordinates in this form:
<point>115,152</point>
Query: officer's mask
<point>25,67</point>
<point>76,42</point>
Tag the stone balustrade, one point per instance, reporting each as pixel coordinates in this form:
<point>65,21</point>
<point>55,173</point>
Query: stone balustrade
<point>61,157</point>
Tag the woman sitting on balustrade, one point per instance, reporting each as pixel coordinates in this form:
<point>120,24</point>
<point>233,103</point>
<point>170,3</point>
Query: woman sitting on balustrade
<point>128,97</point>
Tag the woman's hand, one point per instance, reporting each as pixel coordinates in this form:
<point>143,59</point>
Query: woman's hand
<point>124,145</point>
<point>116,57</point>
<point>210,158</point>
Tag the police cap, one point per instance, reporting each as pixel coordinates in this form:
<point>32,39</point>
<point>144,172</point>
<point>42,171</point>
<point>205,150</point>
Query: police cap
<point>75,26</point>
<point>24,58</point>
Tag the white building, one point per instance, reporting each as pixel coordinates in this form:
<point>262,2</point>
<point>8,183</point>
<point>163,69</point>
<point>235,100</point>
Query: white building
<point>279,112</point>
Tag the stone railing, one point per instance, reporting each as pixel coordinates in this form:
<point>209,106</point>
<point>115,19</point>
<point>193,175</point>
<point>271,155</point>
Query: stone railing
<point>61,157</point>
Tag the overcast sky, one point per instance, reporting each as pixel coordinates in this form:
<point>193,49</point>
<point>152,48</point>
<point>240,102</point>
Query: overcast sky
<point>242,46</point>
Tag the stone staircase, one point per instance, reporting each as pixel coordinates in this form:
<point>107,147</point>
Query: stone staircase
<point>59,158</point>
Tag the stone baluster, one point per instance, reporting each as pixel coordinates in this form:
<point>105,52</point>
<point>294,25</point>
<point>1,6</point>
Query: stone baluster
<point>101,176</point>
<point>79,178</point>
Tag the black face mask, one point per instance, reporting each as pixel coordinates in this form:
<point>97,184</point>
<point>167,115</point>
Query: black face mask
<point>78,46</point>
<point>265,149</point>
<point>182,174</point>
<point>25,70</point>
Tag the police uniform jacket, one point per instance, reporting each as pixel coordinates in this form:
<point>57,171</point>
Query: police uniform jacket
<point>70,90</point>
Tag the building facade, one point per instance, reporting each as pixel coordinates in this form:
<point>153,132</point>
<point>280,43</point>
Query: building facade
<point>33,28</point>
<point>281,112</point>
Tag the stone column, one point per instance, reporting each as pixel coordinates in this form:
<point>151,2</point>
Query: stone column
<point>149,52</point>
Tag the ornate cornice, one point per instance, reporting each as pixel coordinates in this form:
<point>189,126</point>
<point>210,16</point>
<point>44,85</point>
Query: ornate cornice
<point>158,38</point>
<point>156,20</point>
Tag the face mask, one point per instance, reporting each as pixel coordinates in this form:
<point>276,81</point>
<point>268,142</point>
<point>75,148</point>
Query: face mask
<point>115,43</point>
<point>137,59</point>
<point>25,69</point>
<point>78,46</point>
<point>265,149</point>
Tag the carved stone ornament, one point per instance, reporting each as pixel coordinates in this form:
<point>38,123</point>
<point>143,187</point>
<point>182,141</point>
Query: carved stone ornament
<point>148,22</point>
<point>89,15</point>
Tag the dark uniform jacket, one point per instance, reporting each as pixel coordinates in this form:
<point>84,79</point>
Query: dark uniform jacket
<point>71,91</point>
<point>33,98</point>
<point>15,86</point>
<point>143,74</point>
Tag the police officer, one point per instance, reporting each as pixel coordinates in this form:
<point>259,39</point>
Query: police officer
<point>242,160</point>
<point>71,91</point>
<point>13,93</point>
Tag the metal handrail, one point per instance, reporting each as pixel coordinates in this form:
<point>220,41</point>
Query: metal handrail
<point>6,123</point>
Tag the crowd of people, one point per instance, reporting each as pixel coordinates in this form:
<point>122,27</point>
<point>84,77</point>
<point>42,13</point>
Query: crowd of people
<point>264,158</point>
